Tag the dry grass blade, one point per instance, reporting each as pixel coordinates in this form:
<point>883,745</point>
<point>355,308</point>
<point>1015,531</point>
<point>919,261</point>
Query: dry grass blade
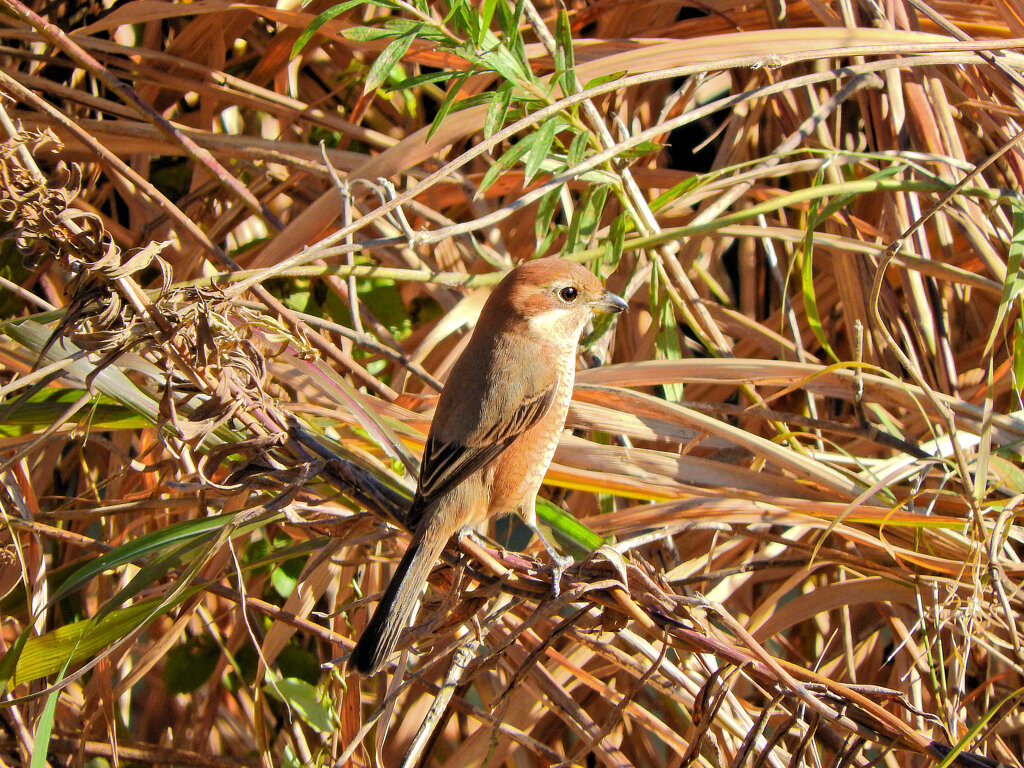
<point>242,245</point>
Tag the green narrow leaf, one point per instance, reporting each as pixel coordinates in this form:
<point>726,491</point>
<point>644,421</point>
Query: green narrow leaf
<point>592,208</point>
<point>367,34</point>
<point>807,274</point>
<point>326,16</point>
<point>304,700</point>
<point>390,56</point>
<point>604,79</point>
<point>617,237</point>
<point>586,218</point>
<point>546,212</point>
<point>449,99</point>
<point>1018,355</point>
<point>677,191</point>
<point>514,41</point>
<point>1014,285</point>
<point>159,567</point>
<point>498,111</point>
<point>641,149</point>
<point>501,60</point>
<point>195,531</point>
<point>577,149</point>
<point>545,137</point>
<point>507,160</point>
<point>44,726</point>
<point>487,8</point>
<point>417,80</point>
<point>667,345</point>
<point>464,19</point>
<point>47,654</point>
<point>508,22</point>
<point>565,63</point>
<point>977,728</point>
<point>553,233</point>
<point>567,527</point>
<point>9,661</point>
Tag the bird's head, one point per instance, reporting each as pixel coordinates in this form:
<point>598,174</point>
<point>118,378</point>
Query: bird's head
<point>555,299</point>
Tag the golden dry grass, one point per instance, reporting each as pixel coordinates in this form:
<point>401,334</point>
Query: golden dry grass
<point>796,459</point>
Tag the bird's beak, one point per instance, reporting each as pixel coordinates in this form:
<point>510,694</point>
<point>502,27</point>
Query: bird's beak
<point>609,304</point>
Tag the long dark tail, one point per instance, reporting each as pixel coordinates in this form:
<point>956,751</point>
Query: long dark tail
<point>393,611</point>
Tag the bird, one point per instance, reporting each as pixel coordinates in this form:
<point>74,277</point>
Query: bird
<point>494,430</point>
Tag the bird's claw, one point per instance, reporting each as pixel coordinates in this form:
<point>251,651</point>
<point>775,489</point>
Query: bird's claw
<point>558,565</point>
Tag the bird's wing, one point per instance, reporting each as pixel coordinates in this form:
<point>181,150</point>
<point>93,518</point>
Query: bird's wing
<point>446,464</point>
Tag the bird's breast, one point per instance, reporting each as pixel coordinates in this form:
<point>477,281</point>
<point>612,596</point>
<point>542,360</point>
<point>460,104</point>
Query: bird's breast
<point>519,471</point>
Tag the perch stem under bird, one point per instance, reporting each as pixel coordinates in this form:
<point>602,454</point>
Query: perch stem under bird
<point>495,428</point>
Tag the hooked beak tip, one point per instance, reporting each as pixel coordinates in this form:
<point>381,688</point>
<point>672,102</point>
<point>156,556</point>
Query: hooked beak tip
<point>610,303</point>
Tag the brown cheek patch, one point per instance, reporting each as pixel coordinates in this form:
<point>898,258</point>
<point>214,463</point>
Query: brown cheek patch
<point>534,303</point>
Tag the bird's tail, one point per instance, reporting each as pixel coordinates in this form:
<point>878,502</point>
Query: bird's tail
<point>393,611</point>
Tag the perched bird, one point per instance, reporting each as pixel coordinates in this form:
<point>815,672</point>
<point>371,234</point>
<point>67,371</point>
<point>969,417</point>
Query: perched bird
<point>495,428</point>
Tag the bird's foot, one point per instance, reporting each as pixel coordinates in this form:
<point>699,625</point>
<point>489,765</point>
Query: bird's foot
<point>469,532</point>
<point>558,566</point>
<point>559,563</point>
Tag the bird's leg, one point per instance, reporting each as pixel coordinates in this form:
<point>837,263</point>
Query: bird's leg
<point>559,562</point>
<point>469,532</point>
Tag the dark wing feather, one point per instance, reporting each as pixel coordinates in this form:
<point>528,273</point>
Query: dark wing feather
<point>446,464</point>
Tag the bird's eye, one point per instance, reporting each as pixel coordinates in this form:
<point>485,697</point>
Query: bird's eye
<point>568,294</point>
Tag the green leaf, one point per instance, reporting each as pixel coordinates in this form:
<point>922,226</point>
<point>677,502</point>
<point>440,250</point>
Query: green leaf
<point>978,728</point>
<point>545,136</point>
<point>9,661</point>
<point>591,210</point>
<point>1014,285</point>
<point>508,22</point>
<point>391,28</point>
<point>586,217</point>
<point>159,567</point>
<point>1018,355</point>
<point>1008,475</point>
<point>546,212</point>
<point>514,37</point>
<point>285,577</point>
<point>617,237</point>
<point>677,191</point>
<point>44,727</point>
<point>189,665</point>
<point>303,699</point>
<point>417,80</point>
<point>552,234</point>
<point>507,160</point>
<point>604,79</point>
<point>641,149</point>
<point>807,273</point>
<point>387,59</point>
<point>47,654</point>
<point>565,63</point>
<point>475,100</point>
<point>299,663</point>
<point>449,99</point>
<point>193,532</point>
<point>326,16</point>
<point>487,8</point>
<point>465,19</point>
<point>567,527</point>
<point>501,60</point>
<point>667,347</point>
<point>577,149</point>
<point>44,406</point>
<point>498,111</point>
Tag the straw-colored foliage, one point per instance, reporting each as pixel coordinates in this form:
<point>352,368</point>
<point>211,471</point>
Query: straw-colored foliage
<point>241,238</point>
